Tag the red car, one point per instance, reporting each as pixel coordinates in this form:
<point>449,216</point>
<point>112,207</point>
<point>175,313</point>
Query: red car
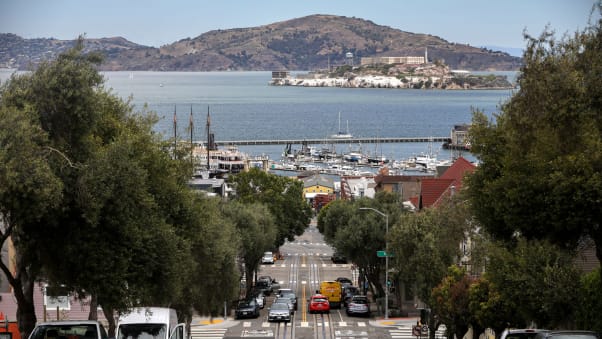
<point>318,303</point>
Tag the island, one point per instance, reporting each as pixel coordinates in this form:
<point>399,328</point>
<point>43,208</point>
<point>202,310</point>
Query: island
<point>408,75</point>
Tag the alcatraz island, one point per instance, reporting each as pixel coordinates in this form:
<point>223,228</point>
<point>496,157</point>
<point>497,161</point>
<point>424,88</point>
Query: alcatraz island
<point>413,72</point>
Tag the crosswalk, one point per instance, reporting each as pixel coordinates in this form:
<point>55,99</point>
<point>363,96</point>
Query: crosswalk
<point>205,333</point>
<point>405,332</point>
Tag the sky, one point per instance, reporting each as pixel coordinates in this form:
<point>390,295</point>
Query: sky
<point>155,23</point>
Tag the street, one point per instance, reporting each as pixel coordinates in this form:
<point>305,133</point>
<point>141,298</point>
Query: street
<point>306,262</point>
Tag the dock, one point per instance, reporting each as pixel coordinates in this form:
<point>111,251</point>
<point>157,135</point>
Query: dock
<point>333,141</point>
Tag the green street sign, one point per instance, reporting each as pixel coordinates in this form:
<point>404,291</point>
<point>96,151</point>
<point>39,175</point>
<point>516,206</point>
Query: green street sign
<point>383,254</point>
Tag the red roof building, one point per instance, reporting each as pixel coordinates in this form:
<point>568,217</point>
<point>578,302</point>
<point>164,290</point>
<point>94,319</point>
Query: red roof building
<point>433,190</point>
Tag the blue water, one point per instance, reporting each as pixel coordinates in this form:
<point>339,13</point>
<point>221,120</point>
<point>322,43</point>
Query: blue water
<point>243,106</point>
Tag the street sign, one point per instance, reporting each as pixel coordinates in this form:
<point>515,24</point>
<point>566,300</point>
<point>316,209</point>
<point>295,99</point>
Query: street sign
<point>383,254</point>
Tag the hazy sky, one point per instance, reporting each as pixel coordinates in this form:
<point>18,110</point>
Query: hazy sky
<point>155,23</point>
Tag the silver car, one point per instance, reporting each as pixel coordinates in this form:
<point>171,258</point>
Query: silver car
<point>358,305</point>
<point>279,312</point>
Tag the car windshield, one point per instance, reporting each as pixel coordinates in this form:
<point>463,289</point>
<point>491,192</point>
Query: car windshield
<point>319,300</point>
<point>83,331</point>
<point>288,295</point>
<point>359,301</point>
<point>279,306</point>
<point>572,336</point>
<point>142,331</point>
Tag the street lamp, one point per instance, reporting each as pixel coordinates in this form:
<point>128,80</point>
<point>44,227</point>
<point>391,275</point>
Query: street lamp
<point>386,257</point>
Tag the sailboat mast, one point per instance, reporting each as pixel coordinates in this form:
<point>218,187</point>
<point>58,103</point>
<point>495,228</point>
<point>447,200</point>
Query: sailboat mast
<point>175,131</point>
<point>208,137</point>
<point>191,144</point>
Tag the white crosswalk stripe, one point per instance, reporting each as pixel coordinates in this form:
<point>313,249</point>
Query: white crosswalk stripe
<point>204,333</point>
<point>404,332</point>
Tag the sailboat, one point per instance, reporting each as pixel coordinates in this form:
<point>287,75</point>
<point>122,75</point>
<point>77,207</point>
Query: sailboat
<point>340,134</point>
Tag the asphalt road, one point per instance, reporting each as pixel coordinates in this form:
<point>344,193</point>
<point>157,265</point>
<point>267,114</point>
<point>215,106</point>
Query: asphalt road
<point>306,262</point>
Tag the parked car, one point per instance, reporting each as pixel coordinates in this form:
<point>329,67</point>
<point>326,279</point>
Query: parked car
<point>259,297</point>
<point>348,293</point>
<point>358,305</point>
<point>287,301</point>
<point>85,329</point>
<point>567,335</point>
<point>264,286</point>
<point>247,309</point>
<point>318,303</point>
<point>288,293</point>
<point>345,282</point>
<point>279,312</point>
<point>338,258</point>
<point>268,258</point>
<point>521,333</point>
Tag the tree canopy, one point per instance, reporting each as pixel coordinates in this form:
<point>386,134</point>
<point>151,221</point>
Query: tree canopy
<point>93,202</point>
<point>283,197</point>
<point>540,174</point>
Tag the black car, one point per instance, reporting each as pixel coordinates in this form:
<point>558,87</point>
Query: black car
<point>264,286</point>
<point>247,309</point>
<point>348,293</point>
<point>338,258</point>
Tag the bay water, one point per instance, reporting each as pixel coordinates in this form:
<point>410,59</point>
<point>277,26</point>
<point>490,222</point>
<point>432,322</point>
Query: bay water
<point>243,106</point>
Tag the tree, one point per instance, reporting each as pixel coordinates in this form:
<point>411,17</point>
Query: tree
<point>283,196</point>
<point>427,243</point>
<point>450,301</point>
<point>541,160</point>
<point>103,193</point>
<point>537,281</point>
<point>257,231</point>
<point>359,234</point>
<point>590,302</point>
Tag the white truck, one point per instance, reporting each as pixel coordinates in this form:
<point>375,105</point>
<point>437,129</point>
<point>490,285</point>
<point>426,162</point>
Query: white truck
<point>150,323</point>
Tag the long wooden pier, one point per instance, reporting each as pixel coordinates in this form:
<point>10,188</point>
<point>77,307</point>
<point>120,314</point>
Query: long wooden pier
<point>332,141</point>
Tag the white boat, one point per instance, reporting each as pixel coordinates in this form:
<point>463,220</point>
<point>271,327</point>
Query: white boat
<point>341,134</point>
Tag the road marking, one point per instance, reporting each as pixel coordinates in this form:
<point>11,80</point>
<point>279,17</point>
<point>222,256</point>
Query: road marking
<point>304,324</point>
<point>246,324</point>
<point>265,324</point>
<point>361,324</point>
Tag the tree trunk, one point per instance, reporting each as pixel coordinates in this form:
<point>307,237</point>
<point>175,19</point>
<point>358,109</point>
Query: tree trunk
<point>23,292</point>
<point>109,314</point>
<point>93,314</point>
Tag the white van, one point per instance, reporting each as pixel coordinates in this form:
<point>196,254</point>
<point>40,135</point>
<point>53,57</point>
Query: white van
<point>150,323</point>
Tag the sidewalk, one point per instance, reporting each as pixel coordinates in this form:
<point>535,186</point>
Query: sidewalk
<point>207,322</point>
<point>394,322</point>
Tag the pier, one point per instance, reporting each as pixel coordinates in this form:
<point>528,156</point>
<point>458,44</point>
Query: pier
<point>332,141</point>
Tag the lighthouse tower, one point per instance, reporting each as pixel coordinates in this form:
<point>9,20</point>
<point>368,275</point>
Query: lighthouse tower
<point>426,55</point>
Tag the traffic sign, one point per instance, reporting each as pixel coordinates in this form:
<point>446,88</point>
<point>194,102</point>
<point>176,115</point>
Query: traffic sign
<point>382,254</point>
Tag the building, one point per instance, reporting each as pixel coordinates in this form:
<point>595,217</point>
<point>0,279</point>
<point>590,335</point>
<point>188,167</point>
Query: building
<point>318,185</point>
<point>389,60</point>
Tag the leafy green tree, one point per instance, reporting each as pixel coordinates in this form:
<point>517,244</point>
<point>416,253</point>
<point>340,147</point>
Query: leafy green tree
<point>541,159</point>
<point>257,231</point>
<point>28,191</point>
<point>214,242</point>
<point>488,307</point>
<point>536,280</point>
<point>283,196</point>
<point>427,243</point>
<point>590,302</point>
<point>450,302</point>
<point>359,234</point>
<point>104,193</point>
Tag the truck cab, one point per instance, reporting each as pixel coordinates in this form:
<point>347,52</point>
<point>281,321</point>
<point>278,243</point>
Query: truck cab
<point>150,323</point>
